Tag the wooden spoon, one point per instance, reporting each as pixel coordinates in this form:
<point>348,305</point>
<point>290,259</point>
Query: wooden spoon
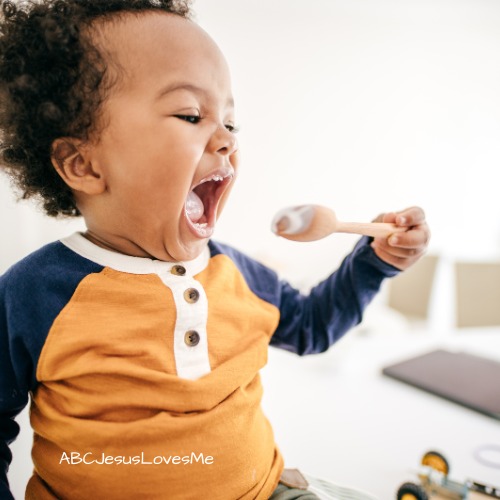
<point>313,222</point>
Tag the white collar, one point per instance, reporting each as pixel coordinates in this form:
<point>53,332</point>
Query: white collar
<point>129,264</point>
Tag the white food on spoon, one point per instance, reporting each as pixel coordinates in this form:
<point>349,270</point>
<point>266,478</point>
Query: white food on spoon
<point>295,219</point>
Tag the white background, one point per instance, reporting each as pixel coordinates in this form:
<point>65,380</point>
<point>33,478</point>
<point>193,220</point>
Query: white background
<point>365,106</point>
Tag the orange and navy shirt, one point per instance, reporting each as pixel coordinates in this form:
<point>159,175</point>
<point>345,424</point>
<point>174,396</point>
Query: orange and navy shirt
<point>144,374</point>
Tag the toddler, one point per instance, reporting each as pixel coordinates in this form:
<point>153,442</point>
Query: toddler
<point>140,340</point>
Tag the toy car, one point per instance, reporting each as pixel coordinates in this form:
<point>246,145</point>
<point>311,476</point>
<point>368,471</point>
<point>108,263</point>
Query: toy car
<point>433,474</point>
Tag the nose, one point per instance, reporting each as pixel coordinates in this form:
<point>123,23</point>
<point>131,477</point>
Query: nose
<point>223,142</point>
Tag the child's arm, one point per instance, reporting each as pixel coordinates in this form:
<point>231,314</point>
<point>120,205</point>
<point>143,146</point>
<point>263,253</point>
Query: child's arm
<point>311,324</point>
<point>13,393</point>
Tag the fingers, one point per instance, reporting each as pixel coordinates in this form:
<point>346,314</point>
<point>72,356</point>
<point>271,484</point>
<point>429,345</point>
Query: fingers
<point>408,217</point>
<point>390,218</point>
<point>402,250</point>
<point>401,263</point>
<point>412,216</point>
<point>415,237</point>
<point>397,251</point>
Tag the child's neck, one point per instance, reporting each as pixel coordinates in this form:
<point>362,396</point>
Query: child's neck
<point>93,238</point>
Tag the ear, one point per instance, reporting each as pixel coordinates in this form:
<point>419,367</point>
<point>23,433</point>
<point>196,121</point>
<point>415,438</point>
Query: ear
<point>72,163</point>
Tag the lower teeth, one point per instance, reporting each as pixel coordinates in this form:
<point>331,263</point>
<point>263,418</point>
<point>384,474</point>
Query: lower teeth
<point>201,225</point>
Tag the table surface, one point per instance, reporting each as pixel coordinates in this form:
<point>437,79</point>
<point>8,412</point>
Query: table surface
<point>336,417</point>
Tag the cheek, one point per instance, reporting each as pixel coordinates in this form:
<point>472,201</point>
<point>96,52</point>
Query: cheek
<point>155,186</point>
<point>154,165</point>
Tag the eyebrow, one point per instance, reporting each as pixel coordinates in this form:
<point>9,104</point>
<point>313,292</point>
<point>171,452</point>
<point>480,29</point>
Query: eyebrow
<point>189,87</point>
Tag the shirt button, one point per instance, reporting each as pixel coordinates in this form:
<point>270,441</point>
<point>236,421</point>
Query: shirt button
<point>192,338</point>
<point>178,270</point>
<point>191,295</point>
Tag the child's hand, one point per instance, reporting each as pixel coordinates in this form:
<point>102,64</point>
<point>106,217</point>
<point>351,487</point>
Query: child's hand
<point>402,250</point>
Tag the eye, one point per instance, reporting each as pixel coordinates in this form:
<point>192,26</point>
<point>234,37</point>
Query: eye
<point>233,129</point>
<point>189,118</point>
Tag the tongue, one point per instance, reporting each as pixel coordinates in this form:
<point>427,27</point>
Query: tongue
<point>194,207</point>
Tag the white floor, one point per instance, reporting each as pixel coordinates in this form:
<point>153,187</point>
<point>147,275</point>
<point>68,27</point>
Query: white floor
<point>336,417</point>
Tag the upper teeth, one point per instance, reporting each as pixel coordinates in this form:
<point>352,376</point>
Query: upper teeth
<point>215,177</point>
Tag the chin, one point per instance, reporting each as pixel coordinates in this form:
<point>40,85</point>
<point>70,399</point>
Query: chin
<point>186,247</point>
<point>199,214</point>
<point>194,250</point>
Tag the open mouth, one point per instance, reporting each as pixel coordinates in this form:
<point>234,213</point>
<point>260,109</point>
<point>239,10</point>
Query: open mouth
<point>202,202</point>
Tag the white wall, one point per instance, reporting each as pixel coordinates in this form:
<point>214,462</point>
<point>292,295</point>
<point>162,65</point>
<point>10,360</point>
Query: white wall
<point>365,106</point>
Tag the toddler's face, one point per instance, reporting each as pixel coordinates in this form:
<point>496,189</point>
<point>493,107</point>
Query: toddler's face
<point>167,153</point>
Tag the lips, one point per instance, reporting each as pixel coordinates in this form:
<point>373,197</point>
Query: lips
<point>201,204</point>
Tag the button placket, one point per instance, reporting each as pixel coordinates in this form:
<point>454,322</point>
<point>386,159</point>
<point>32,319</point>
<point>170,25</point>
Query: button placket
<point>192,337</point>
<point>190,334</point>
<point>191,296</point>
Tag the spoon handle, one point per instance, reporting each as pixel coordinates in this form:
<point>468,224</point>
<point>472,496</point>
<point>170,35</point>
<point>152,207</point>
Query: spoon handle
<point>375,229</point>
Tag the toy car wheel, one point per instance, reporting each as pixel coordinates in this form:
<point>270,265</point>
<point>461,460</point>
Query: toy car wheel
<point>436,461</point>
<point>411,491</point>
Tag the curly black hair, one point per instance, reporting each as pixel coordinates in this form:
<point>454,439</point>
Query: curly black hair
<point>52,84</point>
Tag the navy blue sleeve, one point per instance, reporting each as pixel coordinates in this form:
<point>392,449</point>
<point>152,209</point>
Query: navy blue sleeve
<point>32,294</point>
<point>311,323</point>
<point>12,400</point>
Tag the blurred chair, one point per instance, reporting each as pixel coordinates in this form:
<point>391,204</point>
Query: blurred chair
<point>410,292</point>
<point>478,294</point>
